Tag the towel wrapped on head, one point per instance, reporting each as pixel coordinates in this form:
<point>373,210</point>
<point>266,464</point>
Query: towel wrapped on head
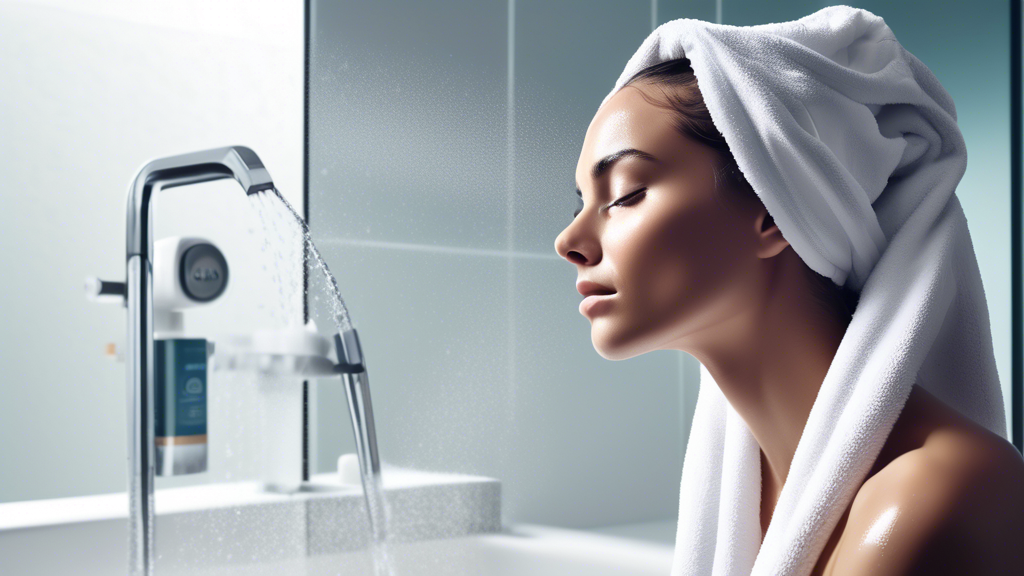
<point>852,145</point>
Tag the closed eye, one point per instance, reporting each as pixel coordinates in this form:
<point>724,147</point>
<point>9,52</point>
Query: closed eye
<point>627,200</point>
<point>630,199</point>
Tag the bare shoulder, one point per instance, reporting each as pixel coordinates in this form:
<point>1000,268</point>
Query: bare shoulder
<point>955,505</point>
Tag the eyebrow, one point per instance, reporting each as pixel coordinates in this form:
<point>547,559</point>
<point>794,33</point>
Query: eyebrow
<point>605,164</point>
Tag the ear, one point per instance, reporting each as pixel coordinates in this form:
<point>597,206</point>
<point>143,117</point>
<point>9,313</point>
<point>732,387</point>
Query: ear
<point>769,237</point>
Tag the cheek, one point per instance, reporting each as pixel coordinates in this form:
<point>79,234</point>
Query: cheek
<point>656,260</point>
<point>672,262</point>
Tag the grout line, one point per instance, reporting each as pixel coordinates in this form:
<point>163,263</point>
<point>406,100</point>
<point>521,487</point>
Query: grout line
<point>510,222</point>
<point>510,128</point>
<point>718,11</point>
<point>510,243</point>
<point>654,14</point>
<point>437,249</point>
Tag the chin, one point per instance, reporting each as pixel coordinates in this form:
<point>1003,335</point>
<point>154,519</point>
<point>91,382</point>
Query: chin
<point>614,346</point>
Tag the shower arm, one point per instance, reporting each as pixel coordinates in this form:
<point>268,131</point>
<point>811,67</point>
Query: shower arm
<point>236,162</point>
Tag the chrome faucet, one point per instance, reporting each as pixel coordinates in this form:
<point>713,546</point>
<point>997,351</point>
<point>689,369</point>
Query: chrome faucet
<point>236,162</point>
<point>245,167</point>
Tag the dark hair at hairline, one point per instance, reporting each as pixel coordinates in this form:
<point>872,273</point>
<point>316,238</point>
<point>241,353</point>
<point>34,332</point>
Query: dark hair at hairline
<point>694,121</point>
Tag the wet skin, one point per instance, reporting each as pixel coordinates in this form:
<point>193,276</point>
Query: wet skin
<point>706,271</point>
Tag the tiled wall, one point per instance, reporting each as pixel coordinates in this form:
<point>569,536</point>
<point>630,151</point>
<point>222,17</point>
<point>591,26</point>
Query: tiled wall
<point>444,141</point>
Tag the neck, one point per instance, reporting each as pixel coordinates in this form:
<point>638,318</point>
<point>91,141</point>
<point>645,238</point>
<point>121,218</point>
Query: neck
<point>769,360</point>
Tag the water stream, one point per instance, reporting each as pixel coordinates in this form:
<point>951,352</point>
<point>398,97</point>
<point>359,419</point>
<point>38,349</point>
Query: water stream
<point>285,227</point>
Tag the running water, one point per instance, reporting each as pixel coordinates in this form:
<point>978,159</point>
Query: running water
<point>339,311</point>
<point>372,486</point>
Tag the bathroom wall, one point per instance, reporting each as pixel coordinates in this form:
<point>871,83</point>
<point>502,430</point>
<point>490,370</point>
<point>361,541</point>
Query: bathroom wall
<point>93,89</point>
<point>443,144</point>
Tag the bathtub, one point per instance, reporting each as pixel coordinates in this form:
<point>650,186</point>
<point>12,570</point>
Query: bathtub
<point>522,550</point>
<point>519,550</point>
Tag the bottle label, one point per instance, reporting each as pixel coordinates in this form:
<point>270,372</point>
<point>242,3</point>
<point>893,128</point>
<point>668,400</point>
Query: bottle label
<point>179,387</point>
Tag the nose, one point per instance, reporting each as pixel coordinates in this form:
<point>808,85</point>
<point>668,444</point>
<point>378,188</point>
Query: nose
<point>577,245</point>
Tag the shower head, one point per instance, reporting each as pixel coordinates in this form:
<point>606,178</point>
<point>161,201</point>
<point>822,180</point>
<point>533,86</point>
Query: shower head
<point>248,170</point>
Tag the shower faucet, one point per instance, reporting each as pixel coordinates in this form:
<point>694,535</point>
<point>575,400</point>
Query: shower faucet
<point>236,162</point>
<point>137,295</point>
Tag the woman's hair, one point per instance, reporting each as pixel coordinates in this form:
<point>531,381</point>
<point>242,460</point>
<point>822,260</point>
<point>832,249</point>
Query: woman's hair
<point>694,121</point>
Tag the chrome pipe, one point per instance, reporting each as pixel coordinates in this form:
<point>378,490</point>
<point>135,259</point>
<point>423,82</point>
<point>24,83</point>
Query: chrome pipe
<point>245,167</point>
<point>352,367</point>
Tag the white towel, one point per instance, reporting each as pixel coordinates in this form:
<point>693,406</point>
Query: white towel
<point>852,145</point>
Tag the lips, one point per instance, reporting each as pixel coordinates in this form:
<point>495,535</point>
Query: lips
<point>594,304</point>
<point>596,297</point>
<point>588,288</point>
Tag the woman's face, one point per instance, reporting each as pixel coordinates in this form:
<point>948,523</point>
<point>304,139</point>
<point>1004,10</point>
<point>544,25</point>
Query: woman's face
<point>680,257</point>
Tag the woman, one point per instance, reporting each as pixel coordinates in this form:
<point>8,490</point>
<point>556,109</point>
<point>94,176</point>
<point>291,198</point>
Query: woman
<point>674,250</point>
